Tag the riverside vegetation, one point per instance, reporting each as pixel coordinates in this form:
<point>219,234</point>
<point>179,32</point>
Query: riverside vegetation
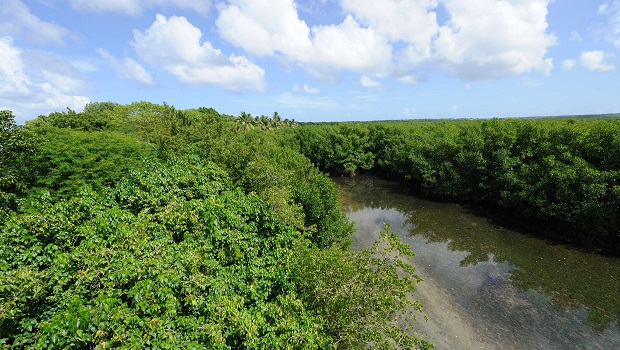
<point>144,226</point>
<point>561,176</point>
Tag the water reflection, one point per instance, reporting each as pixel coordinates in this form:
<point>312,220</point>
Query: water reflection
<point>515,288</point>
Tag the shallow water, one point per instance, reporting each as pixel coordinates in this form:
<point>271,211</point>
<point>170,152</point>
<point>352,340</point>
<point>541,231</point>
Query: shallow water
<point>486,286</point>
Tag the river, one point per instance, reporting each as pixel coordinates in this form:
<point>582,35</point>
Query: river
<point>487,286</point>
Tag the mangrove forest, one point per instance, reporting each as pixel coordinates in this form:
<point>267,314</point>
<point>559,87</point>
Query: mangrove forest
<point>147,226</point>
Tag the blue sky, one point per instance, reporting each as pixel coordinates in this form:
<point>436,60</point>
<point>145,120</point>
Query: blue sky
<point>314,60</point>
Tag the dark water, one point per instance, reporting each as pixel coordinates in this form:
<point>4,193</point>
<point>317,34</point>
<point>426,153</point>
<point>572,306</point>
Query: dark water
<point>486,286</point>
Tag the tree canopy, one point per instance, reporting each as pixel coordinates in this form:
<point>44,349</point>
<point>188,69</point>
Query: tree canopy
<point>144,226</point>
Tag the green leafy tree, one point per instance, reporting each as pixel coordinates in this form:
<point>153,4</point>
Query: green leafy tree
<point>15,146</point>
<point>175,257</point>
<point>67,159</point>
<point>348,290</point>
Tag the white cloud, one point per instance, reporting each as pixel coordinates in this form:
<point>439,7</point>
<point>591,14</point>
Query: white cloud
<point>305,89</point>
<point>575,36</point>
<point>613,12</point>
<point>489,39</point>
<point>348,46</point>
<point>410,22</point>
<point>595,61</point>
<point>321,50</point>
<point>65,84</point>
<point>591,60</point>
<point>569,64</point>
<point>406,113</point>
<point>369,83</point>
<point>85,65</point>
<point>136,7</point>
<point>603,9</point>
<point>409,79</point>
<point>51,85</point>
<point>173,45</point>
<point>398,20</point>
<point>18,22</point>
<point>527,82</point>
<point>128,68</point>
<point>481,40</point>
<point>14,79</point>
<point>260,29</point>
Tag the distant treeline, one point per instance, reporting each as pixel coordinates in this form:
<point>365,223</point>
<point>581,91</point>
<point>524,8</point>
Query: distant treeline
<point>562,175</point>
<point>143,226</point>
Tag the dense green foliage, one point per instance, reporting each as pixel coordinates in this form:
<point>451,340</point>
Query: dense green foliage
<point>143,226</point>
<point>563,175</point>
<point>67,159</point>
<point>14,146</point>
<point>342,149</point>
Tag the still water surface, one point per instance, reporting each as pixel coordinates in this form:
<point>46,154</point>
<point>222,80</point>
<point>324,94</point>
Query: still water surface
<point>486,286</point>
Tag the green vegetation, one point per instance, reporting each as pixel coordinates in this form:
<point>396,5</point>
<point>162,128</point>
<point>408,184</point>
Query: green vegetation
<point>561,174</point>
<point>14,146</point>
<point>144,226</point>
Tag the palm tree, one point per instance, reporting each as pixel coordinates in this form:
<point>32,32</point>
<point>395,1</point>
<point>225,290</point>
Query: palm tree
<point>264,122</point>
<point>290,123</point>
<point>245,121</point>
<point>277,120</point>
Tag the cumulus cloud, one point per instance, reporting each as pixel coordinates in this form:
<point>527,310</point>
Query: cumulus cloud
<point>569,64</point>
<point>174,45</point>
<point>527,82</point>
<point>595,61</point>
<point>51,84</point>
<point>307,89</point>
<point>591,60</point>
<point>575,36</point>
<point>65,84</point>
<point>406,113</point>
<point>398,20</point>
<point>18,22</point>
<point>136,7</point>
<point>612,11</point>
<point>14,80</point>
<point>128,68</point>
<point>480,40</point>
<point>409,79</point>
<point>489,39</point>
<point>411,22</point>
<point>369,83</point>
<point>259,29</point>
<point>348,46</point>
<point>254,26</point>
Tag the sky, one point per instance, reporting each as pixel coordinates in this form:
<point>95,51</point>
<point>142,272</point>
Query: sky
<point>314,60</point>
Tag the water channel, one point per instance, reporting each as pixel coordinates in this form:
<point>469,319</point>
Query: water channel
<point>487,286</point>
